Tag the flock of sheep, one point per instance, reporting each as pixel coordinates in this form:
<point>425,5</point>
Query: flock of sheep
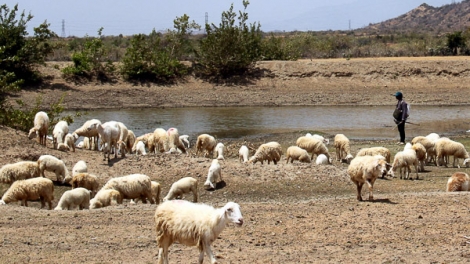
<point>192,223</point>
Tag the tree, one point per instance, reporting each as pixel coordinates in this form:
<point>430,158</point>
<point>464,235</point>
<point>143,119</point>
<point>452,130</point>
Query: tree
<point>455,41</point>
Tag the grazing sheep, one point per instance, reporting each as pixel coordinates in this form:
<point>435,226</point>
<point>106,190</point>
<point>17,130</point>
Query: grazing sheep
<point>72,198</point>
<point>174,141</point>
<point>131,187</point>
<point>22,170</point>
<point>130,140</point>
<point>206,143</point>
<point>109,133</point>
<point>429,145</point>
<point>343,148</point>
<point>30,190</point>
<point>366,169</point>
<point>215,172</point>
<point>105,198</point>
<point>243,153</point>
<point>192,225</point>
<point>84,144</point>
<point>41,125</point>
<point>447,147</point>
<point>185,140</point>
<point>458,182</point>
<point>140,148</point>
<point>420,154</point>
<point>311,144</point>
<point>296,153</point>
<point>61,129</point>
<point>53,164</point>
<point>403,159</point>
<point>144,138</point>
<point>62,147</point>
<point>219,148</point>
<point>79,167</point>
<point>87,181</point>
<point>322,159</point>
<point>182,186</point>
<point>271,151</point>
<point>122,141</point>
<point>158,141</point>
<point>384,152</point>
<point>325,141</point>
<point>70,141</point>
<point>90,134</point>
<point>156,192</point>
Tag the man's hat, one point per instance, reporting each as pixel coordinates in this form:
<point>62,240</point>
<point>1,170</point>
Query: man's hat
<point>398,94</point>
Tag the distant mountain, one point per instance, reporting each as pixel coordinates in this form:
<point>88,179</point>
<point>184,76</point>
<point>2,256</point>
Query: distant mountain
<point>425,18</point>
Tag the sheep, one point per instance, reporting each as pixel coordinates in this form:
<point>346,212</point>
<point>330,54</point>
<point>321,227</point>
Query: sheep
<point>322,159</point>
<point>215,172</point>
<point>343,148</point>
<point>87,181</point>
<point>61,129</point>
<point>428,144</point>
<point>70,141</point>
<point>30,190</point>
<point>185,140</point>
<point>140,148</point>
<point>447,147</point>
<point>131,187</point>
<point>433,137</point>
<point>53,164</point>
<point>105,198</point>
<point>219,148</point>
<point>19,171</point>
<point>72,198</point>
<point>182,186</point>
<point>205,143</point>
<point>420,154</point>
<point>156,192</point>
<point>41,126</point>
<point>384,152</point>
<point>311,144</point>
<point>243,154</point>
<point>62,147</point>
<point>79,167</point>
<point>91,134</point>
<point>158,141</point>
<point>403,159</point>
<point>84,144</point>
<point>130,140</point>
<point>122,141</point>
<point>174,141</point>
<point>192,225</point>
<point>109,133</point>
<point>296,153</point>
<point>458,182</point>
<point>325,141</point>
<point>366,169</point>
<point>271,151</point>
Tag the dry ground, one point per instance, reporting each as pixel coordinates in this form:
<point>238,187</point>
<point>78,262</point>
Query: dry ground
<point>294,213</point>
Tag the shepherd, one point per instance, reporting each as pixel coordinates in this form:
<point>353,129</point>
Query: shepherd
<point>400,115</point>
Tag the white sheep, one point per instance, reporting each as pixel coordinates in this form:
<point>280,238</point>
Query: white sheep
<point>22,170</point>
<point>314,145</point>
<point>296,153</point>
<point>215,172</point>
<point>447,147</point>
<point>384,152</point>
<point>182,186</point>
<point>205,143</point>
<point>70,141</point>
<point>243,153</point>
<point>343,148</point>
<point>403,160</point>
<point>86,132</point>
<point>219,148</point>
<point>41,126</point>
<point>145,139</point>
<point>122,141</point>
<point>105,198</point>
<point>53,164</point>
<point>325,141</point>
<point>87,181</point>
<point>271,151</point>
<point>174,141</point>
<point>109,133</point>
<point>156,192</point>
<point>79,167</point>
<point>322,159</point>
<point>158,141</point>
<point>30,190</point>
<point>84,144</point>
<point>72,198</point>
<point>131,187</point>
<point>61,129</point>
<point>458,182</point>
<point>366,169</point>
<point>185,140</point>
<point>140,148</point>
<point>192,225</point>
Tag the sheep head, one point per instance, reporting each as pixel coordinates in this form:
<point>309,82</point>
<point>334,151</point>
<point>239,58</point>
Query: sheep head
<point>232,213</point>
<point>466,162</point>
<point>32,133</point>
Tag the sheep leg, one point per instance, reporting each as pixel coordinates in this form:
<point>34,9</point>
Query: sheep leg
<point>370,184</point>
<point>207,248</point>
<point>359,189</point>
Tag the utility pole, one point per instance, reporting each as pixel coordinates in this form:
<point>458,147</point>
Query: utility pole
<point>62,35</point>
<point>206,21</point>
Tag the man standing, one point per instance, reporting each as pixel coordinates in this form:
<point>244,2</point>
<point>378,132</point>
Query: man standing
<point>400,114</point>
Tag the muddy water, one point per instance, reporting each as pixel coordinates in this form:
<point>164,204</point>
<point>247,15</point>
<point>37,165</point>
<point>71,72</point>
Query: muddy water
<point>364,122</point>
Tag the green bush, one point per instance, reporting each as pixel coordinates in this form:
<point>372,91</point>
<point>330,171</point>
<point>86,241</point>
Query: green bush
<point>279,48</point>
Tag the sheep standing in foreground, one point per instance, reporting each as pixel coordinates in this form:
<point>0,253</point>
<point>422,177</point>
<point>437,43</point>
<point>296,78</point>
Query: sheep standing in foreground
<point>131,187</point>
<point>343,148</point>
<point>403,160</point>
<point>458,182</point>
<point>87,181</point>
<point>219,148</point>
<point>182,186</point>
<point>271,151</point>
<point>446,148</point>
<point>296,153</point>
<point>109,133</point>
<point>41,125</point>
<point>311,144</point>
<point>214,174</point>
<point>53,164</point>
<point>205,143</point>
<point>90,134</point>
<point>30,190</point>
<point>61,129</point>
<point>105,198</point>
<point>322,159</point>
<point>22,170</point>
<point>72,198</point>
<point>243,153</point>
<point>384,152</point>
<point>192,225</point>
<point>366,169</point>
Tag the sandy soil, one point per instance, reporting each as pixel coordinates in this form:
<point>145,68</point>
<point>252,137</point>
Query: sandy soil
<point>294,213</point>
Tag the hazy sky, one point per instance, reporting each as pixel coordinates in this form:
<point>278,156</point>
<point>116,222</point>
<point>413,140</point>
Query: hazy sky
<point>133,17</point>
